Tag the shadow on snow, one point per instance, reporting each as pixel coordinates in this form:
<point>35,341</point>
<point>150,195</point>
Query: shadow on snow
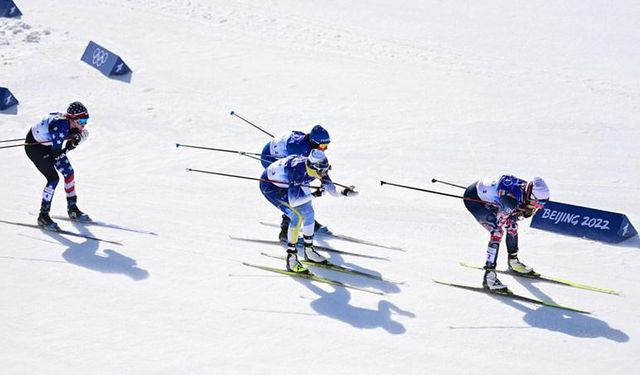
<point>336,305</point>
<point>563,321</point>
<point>85,255</point>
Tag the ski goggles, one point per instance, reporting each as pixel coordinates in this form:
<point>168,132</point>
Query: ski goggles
<point>317,171</point>
<point>83,121</point>
<point>323,146</point>
<point>538,204</point>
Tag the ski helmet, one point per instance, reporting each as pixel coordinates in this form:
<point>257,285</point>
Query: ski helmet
<point>537,192</point>
<point>317,164</point>
<point>77,110</point>
<point>319,136</point>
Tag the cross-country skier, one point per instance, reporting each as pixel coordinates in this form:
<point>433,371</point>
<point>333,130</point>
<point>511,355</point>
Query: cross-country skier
<point>48,142</point>
<point>285,183</point>
<point>295,143</point>
<point>497,204</point>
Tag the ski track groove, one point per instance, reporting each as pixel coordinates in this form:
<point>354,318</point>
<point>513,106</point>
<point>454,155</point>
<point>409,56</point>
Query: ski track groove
<point>304,32</point>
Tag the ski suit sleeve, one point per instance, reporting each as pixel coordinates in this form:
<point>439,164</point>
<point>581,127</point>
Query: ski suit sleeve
<point>297,193</point>
<point>297,144</point>
<point>59,130</point>
<point>330,186</point>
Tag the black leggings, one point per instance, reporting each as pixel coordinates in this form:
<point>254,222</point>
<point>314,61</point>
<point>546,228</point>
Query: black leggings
<point>41,156</point>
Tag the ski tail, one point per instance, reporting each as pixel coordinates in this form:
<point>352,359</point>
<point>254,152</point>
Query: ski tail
<point>63,232</point>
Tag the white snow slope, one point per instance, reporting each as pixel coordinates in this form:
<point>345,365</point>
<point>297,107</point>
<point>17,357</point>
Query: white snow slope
<point>409,90</point>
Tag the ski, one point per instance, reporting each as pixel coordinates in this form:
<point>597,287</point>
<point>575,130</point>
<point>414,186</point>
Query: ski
<point>330,234</point>
<point>106,225</point>
<point>337,268</point>
<point>324,248</point>
<point>512,295</point>
<point>550,279</point>
<point>310,276</point>
<point>61,231</point>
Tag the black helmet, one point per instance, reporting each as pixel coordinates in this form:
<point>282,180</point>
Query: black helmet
<point>77,110</point>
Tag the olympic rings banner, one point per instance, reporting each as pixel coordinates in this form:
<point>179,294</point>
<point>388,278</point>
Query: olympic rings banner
<point>104,60</point>
<point>605,226</point>
<point>6,98</point>
<point>9,9</point>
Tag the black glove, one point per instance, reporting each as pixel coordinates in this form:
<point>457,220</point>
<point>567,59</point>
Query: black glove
<point>349,191</point>
<point>319,191</point>
<point>75,139</point>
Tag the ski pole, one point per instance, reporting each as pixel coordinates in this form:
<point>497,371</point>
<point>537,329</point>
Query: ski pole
<point>436,192</point>
<point>247,178</point>
<point>24,144</point>
<point>12,140</point>
<point>433,180</point>
<point>243,153</point>
<point>218,149</point>
<point>252,124</point>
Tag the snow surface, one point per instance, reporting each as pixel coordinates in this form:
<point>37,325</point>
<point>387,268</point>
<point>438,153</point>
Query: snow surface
<point>409,90</point>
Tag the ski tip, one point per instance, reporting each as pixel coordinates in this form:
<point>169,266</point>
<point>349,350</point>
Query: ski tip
<point>188,169</point>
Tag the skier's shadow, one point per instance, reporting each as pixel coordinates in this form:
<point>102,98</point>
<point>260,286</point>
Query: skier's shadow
<point>361,281</point>
<point>85,254</point>
<point>336,305</point>
<point>564,321</point>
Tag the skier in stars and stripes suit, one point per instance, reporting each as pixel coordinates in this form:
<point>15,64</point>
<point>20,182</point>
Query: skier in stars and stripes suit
<point>47,144</point>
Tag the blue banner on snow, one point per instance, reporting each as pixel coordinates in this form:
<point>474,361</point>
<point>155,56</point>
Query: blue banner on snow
<point>104,60</point>
<point>9,9</point>
<point>586,222</point>
<point>6,98</point>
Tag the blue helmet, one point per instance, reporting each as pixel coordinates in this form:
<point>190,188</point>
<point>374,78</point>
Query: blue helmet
<point>319,136</point>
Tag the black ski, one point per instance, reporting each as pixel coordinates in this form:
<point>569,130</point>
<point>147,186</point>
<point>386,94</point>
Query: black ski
<point>324,248</point>
<point>337,268</point>
<point>310,276</point>
<point>330,234</point>
<point>61,231</point>
<point>512,296</point>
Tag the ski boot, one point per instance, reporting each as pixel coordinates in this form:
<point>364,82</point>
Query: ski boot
<point>520,268</point>
<point>284,228</point>
<point>76,215</point>
<point>45,222</point>
<point>491,283</point>
<point>293,265</point>
<point>319,228</point>
<point>310,254</point>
